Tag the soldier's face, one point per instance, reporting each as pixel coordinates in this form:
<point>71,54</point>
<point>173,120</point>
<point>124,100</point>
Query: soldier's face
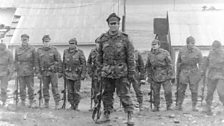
<point>155,46</point>
<point>24,41</point>
<point>114,26</point>
<point>72,45</point>
<point>190,45</point>
<point>46,42</point>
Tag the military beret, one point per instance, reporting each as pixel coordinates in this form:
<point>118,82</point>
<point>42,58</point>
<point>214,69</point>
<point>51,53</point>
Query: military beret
<point>216,44</point>
<point>73,41</point>
<point>46,37</point>
<point>25,36</point>
<point>113,17</point>
<point>190,39</point>
<point>155,41</point>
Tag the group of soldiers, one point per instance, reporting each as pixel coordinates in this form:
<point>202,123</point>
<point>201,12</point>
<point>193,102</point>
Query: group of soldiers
<point>113,65</point>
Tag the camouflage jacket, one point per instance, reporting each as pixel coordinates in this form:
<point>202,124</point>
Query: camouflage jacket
<point>48,61</point>
<point>215,64</point>
<point>6,62</point>
<point>25,60</point>
<point>92,65</point>
<point>139,66</point>
<point>189,60</point>
<point>74,64</point>
<point>159,65</point>
<point>116,55</point>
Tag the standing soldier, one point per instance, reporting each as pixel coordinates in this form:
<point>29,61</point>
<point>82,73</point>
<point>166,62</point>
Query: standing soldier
<point>116,56</point>
<point>160,71</point>
<point>25,67</point>
<point>215,67</point>
<point>6,70</point>
<point>93,71</point>
<point>74,65</point>
<point>139,76</point>
<point>48,64</point>
<point>188,72</point>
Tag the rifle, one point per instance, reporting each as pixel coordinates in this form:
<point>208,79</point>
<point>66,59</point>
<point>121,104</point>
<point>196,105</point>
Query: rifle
<point>91,98</point>
<point>64,94</point>
<point>40,93</point>
<point>151,96</point>
<point>97,108</point>
<point>17,90</point>
<point>203,89</point>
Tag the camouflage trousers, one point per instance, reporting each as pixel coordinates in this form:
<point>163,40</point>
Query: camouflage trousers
<point>137,87</point>
<point>167,92</point>
<point>95,89</point>
<point>122,87</point>
<point>53,80</point>
<point>211,86</point>
<point>26,81</point>
<point>4,85</point>
<point>73,87</point>
<point>181,93</point>
<point>192,78</point>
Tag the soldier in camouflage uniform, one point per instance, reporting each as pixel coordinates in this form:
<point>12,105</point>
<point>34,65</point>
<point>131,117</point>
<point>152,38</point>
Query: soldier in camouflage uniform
<point>116,57</point>
<point>74,65</point>
<point>215,67</point>
<point>160,71</point>
<point>188,72</point>
<point>48,64</point>
<point>6,70</point>
<point>93,71</point>
<point>139,76</point>
<point>25,67</point>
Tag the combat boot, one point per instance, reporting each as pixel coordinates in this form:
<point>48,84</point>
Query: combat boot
<point>168,108</point>
<point>46,104</point>
<point>23,103</point>
<point>208,110</point>
<point>56,106</point>
<point>194,109</point>
<point>140,107</point>
<point>155,109</point>
<point>130,121</point>
<point>76,107</point>
<point>105,118</point>
<point>31,104</point>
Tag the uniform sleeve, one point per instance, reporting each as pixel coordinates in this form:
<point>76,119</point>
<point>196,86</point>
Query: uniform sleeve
<point>178,64</point>
<point>148,67</point>
<point>200,60</point>
<point>170,65</point>
<point>83,63</point>
<point>34,59</point>
<point>16,60</point>
<point>130,58</point>
<point>141,67</point>
<point>37,65</point>
<point>11,63</point>
<point>63,62</point>
<point>89,64</point>
<point>58,62</point>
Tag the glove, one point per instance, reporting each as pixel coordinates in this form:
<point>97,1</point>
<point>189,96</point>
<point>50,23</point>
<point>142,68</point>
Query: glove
<point>60,75</point>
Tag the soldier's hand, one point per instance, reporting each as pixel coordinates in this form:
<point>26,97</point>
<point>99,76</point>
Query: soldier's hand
<point>142,82</point>
<point>39,76</point>
<point>83,77</point>
<point>173,80</point>
<point>131,78</point>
